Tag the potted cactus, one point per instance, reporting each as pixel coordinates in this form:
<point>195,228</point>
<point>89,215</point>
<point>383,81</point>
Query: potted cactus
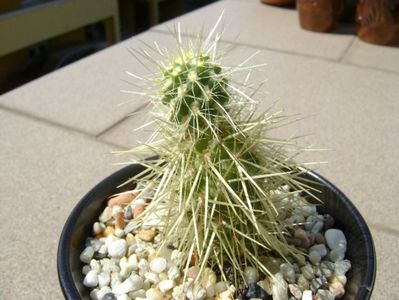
<point>221,212</point>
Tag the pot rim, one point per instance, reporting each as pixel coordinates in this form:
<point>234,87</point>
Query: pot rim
<point>70,291</point>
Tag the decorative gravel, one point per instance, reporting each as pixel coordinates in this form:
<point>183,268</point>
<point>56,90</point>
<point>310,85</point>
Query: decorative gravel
<point>122,261</point>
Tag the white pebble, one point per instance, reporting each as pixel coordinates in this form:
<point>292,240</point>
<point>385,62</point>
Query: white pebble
<point>196,293</point>
<point>95,265</point>
<point>103,291</point>
<point>279,288</point>
<point>220,287</point>
<point>335,239</point>
<point>173,273</point>
<point>103,249</point>
<point>106,215</point>
<point>104,279</point>
<point>116,279</point>
<point>117,248</point>
<point>158,264</point>
<point>98,228</point>
<point>151,277</point>
<point>119,232</point>
<point>337,288</point>
<point>166,285</point>
<point>87,255</point>
<point>137,294</point>
<point>143,264</point>
<point>122,297</point>
<point>307,295</point>
<point>153,294</point>
<point>132,283</point>
<point>176,256</point>
<point>94,294</point>
<point>91,279</point>
<point>133,262</point>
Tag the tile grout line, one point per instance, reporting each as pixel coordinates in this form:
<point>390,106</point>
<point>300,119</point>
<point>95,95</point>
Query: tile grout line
<point>56,125</point>
<point>320,58</point>
<point>347,49</point>
<point>370,68</point>
<point>388,230</point>
<point>254,46</point>
<point>104,131</point>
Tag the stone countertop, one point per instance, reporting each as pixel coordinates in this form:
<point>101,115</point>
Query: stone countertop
<point>57,132</point>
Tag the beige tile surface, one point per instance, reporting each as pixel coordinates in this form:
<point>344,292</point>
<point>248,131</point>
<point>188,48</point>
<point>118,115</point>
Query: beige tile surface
<point>386,245</point>
<point>375,56</point>
<point>86,95</point>
<point>44,172</point>
<point>254,23</point>
<point>351,111</point>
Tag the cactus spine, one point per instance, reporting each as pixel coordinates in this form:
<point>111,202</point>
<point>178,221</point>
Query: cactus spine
<point>217,173</point>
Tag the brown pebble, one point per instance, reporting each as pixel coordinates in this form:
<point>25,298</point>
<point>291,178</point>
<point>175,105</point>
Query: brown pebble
<point>122,199</point>
<point>194,260</point>
<point>120,220</point>
<point>138,210</point>
<point>302,235</point>
<point>146,235</point>
<point>193,272</point>
<point>319,238</point>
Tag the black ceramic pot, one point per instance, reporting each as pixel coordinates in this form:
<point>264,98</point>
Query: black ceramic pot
<point>79,226</point>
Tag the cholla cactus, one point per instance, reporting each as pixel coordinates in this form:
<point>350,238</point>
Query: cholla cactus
<point>219,179</point>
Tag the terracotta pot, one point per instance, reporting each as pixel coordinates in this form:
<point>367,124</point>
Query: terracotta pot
<point>279,2</point>
<point>319,15</point>
<point>360,250</point>
<point>378,21</point>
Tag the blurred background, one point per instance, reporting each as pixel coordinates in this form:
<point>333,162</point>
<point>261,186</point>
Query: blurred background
<point>45,35</point>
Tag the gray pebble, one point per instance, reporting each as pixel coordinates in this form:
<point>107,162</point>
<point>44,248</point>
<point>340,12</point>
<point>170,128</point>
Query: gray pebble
<point>341,267</point>
<point>272,264</point>
<point>109,296</point>
<point>335,239</point>
<point>317,227</point>
<point>87,255</point>
<point>303,283</point>
<point>324,295</point>
<point>317,283</point>
<point>307,272</point>
<point>314,257</point>
<point>327,268</point>
<point>288,272</point>
<point>128,213</point>
<point>131,226</point>
<point>295,291</point>
<point>337,254</point>
<point>319,248</point>
<point>328,222</point>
